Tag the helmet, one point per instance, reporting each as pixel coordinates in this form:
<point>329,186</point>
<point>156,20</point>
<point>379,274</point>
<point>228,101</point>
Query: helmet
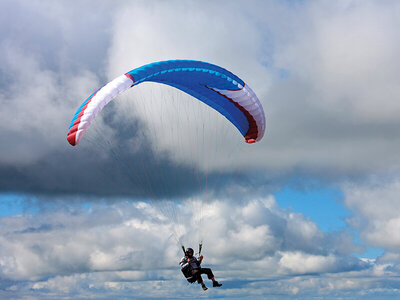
<point>189,251</point>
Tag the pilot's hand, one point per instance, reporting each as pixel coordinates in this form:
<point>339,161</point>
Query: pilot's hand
<point>201,257</point>
<point>188,260</point>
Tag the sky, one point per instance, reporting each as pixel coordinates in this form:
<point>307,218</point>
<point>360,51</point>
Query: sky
<point>310,212</point>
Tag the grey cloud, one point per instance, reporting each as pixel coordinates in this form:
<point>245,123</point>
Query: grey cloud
<point>62,36</point>
<point>308,114</point>
<point>331,99</point>
<point>48,71</point>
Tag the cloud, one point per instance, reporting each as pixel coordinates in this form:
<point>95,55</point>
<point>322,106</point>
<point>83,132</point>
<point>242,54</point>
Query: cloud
<point>321,104</point>
<point>309,63</point>
<point>326,73</point>
<point>376,206</point>
<point>129,248</point>
<point>46,77</point>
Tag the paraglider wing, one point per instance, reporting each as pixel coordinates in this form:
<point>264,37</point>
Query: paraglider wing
<point>211,84</point>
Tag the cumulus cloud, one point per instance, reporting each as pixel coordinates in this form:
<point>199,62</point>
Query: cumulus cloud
<point>376,213</point>
<point>129,247</point>
<point>309,63</point>
<point>326,74</point>
<point>312,82</point>
<point>48,73</point>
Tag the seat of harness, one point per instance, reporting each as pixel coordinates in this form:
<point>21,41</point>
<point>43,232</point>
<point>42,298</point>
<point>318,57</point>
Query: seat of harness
<point>188,275</point>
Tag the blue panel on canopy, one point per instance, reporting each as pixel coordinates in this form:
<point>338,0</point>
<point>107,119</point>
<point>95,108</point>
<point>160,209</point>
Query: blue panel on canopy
<point>196,78</point>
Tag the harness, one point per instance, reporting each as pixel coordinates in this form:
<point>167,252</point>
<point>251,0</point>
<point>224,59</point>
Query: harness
<point>187,272</point>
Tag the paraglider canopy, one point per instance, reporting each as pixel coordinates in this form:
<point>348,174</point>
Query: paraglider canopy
<point>211,84</point>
